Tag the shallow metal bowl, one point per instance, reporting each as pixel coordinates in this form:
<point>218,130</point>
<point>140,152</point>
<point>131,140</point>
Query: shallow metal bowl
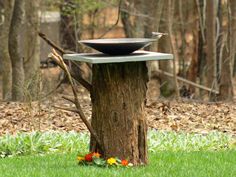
<point>117,46</point>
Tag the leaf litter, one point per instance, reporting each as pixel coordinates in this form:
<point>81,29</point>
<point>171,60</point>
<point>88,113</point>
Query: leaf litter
<point>168,115</point>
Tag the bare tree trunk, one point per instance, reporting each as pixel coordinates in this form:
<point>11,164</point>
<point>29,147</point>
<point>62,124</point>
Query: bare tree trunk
<point>233,33</point>
<point>126,21</point>
<point>226,83</point>
<point>32,49</point>
<point>173,44</point>
<point>5,16</point>
<point>154,10</point>
<point>167,84</point>
<point>16,58</point>
<point>67,26</point>
<point>118,116</point>
<point>211,44</point>
<point>202,45</point>
<point>192,72</point>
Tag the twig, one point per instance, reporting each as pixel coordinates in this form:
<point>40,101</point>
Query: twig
<point>58,59</point>
<point>78,78</point>
<point>66,109</point>
<point>116,23</point>
<point>68,99</point>
<point>51,43</point>
<point>52,91</point>
<point>83,82</point>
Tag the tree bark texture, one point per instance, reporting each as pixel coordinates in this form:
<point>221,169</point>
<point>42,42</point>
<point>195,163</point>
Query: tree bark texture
<point>226,83</point>
<point>167,84</point>
<point>118,98</point>
<point>67,26</point>
<point>32,49</point>
<point>173,44</point>
<point>228,54</point>
<point>233,33</point>
<point>5,13</point>
<point>211,44</point>
<point>126,20</point>
<point>192,71</point>
<point>16,58</point>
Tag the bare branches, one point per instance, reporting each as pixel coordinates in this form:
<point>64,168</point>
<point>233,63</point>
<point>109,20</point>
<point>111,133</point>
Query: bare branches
<point>116,23</point>
<point>78,78</point>
<point>51,43</point>
<point>58,59</point>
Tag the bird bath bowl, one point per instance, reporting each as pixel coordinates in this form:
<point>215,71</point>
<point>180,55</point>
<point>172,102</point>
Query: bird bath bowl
<point>118,46</point>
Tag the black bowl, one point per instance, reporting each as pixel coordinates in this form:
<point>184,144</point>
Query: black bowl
<point>117,46</point>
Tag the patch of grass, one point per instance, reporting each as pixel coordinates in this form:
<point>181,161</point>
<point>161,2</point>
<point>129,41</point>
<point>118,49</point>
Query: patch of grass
<point>173,141</point>
<point>67,142</point>
<point>165,163</point>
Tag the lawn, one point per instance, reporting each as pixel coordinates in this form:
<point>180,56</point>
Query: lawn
<point>189,164</point>
<point>170,154</point>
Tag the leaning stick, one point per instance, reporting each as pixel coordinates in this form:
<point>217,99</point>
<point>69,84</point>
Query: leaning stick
<point>189,82</point>
<point>78,78</point>
<point>58,59</point>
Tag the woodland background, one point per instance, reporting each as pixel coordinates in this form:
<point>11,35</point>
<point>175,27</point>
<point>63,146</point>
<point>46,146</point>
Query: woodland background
<point>201,36</point>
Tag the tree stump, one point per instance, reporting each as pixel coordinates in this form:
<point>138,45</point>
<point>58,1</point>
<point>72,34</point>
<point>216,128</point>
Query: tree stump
<point>118,117</point>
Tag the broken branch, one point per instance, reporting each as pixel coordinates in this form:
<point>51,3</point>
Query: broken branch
<point>78,78</point>
<point>189,82</point>
<point>58,59</point>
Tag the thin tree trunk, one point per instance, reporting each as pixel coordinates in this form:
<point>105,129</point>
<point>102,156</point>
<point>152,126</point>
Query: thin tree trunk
<point>173,44</point>
<point>211,44</point>
<point>6,9</point>
<point>67,26</point>
<point>202,45</point>
<point>233,33</point>
<point>126,21</point>
<point>32,49</point>
<point>192,72</point>
<point>226,84</point>
<point>16,58</point>
<point>167,84</point>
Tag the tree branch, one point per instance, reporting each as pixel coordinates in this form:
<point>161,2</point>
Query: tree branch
<point>78,78</point>
<point>58,59</point>
<point>189,82</point>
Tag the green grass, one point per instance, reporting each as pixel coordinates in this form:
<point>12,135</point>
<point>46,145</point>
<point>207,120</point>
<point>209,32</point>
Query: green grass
<point>68,142</point>
<point>165,163</point>
<point>53,154</point>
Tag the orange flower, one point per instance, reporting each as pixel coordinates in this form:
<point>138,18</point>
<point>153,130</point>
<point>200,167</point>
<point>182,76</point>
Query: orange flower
<point>89,157</point>
<point>96,154</point>
<point>124,162</point>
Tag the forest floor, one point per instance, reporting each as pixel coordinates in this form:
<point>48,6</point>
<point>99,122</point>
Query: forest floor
<point>162,114</point>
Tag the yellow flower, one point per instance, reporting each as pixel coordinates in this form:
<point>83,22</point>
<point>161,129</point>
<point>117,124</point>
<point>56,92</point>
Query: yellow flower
<point>111,161</point>
<point>79,158</point>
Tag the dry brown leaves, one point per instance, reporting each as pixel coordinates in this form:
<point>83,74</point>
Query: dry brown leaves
<point>192,116</point>
<point>164,115</point>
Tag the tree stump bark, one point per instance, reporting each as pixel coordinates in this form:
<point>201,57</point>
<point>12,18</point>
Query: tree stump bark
<point>118,117</point>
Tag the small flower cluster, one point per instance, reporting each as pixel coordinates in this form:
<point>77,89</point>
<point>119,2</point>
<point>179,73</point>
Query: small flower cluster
<point>94,158</point>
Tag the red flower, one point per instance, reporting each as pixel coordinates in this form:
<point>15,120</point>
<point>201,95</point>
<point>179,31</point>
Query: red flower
<point>124,162</point>
<point>89,157</point>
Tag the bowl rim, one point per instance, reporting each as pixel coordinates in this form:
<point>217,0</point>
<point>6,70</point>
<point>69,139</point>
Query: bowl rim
<point>117,40</point>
